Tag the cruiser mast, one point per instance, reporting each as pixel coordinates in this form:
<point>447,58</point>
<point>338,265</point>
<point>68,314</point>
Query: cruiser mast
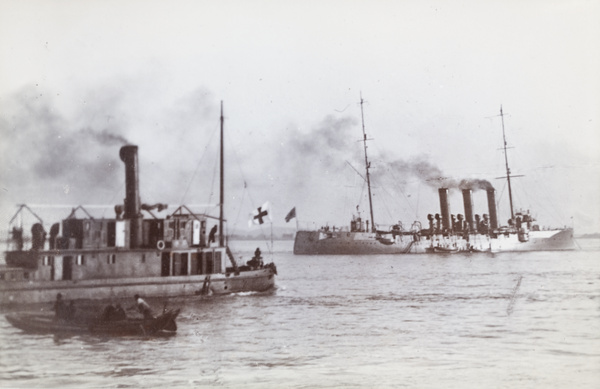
<point>512,214</point>
<point>367,164</point>
<point>222,195</point>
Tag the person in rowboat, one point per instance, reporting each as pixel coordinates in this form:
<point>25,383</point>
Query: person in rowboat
<point>119,313</point>
<point>70,311</point>
<point>112,313</point>
<point>143,307</point>
<point>59,307</point>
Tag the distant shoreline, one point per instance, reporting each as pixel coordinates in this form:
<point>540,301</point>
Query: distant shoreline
<point>595,235</point>
<point>288,236</point>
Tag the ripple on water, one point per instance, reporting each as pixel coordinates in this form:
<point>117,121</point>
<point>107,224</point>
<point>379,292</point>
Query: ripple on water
<point>400,321</point>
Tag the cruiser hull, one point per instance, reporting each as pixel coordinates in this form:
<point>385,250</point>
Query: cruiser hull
<point>360,243</point>
<point>321,243</point>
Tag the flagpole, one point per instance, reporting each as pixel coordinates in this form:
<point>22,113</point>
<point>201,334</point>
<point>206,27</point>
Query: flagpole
<point>271,237</point>
<point>296,217</point>
<point>222,195</point>
<point>367,164</point>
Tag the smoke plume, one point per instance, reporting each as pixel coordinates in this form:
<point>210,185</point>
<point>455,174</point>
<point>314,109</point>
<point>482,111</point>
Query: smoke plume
<point>425,171</point>
<point>103,137</point>
<point>42,148</point>
<point>475,184</point>
<point>321,151</point>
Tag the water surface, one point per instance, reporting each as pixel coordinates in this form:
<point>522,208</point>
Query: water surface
<point>416,321</point>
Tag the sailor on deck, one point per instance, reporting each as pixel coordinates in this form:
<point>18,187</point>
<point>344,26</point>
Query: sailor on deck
<point>256,261</point>
<point>211,235</point>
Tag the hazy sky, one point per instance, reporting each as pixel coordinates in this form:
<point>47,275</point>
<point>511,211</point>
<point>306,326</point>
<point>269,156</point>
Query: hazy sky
<point>78,79</point>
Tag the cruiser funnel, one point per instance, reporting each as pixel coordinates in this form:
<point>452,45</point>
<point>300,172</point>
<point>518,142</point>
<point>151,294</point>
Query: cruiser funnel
<point>491,198</point>
<point>468,202</point>
<point>444,208</point>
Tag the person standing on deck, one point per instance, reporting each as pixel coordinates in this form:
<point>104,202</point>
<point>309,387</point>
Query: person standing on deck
<point>212,234</point>
<point>256,261</point>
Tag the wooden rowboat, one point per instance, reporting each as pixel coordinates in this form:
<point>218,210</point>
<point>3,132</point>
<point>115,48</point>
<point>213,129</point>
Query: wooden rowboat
<point>47,323</point>
<point>443,250</point>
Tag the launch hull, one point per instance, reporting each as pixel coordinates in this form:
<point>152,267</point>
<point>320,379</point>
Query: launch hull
<point>110,258</point>
<point>30,286</point>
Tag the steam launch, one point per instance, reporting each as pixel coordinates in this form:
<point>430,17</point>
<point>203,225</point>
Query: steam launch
<point>446,233</point>
<point>91,258</point>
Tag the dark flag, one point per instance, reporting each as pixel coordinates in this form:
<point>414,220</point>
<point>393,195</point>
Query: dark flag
<point>291,214</point>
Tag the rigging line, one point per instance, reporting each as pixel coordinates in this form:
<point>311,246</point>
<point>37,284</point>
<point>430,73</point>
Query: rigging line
<point>382,190</point>
<point>399,188</point>
<point>350,192</point>
<point>389,194</point>
<point>362,192</point>
<point>241,172</point>
<point>357,172</point>
<point>237,218</point>
<point>553,213</point>
<point>121,186</point>
<point>498,202</point>
<point>385,203</point>
<point>237,160</point>
<point>556,214</point>
<point>236,221</point>
<point>544,197</point>
<point>364,182</point>
<point>197,167</point>
<point>235,154</point>
<point>239,166</point>
<point>396,181</point>
<point>418,198</point>
<point>212,184</point>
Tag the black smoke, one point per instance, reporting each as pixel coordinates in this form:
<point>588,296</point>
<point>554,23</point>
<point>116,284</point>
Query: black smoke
<point>321,151</point>
<point>420,168</point>
<point>42,146</point>
<point>475,184</point>
<point>103,137</point>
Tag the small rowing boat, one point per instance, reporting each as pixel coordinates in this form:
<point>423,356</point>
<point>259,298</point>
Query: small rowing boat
<point>443,250</point>
<point>43,323</point>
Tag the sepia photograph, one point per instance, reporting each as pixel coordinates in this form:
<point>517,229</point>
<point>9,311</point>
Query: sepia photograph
<point>300,194</point>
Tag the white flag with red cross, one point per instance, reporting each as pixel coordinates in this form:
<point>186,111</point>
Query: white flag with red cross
<point>260,215</point>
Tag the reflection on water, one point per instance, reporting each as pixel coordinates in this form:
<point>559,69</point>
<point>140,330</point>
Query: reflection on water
<point>509,320</point>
